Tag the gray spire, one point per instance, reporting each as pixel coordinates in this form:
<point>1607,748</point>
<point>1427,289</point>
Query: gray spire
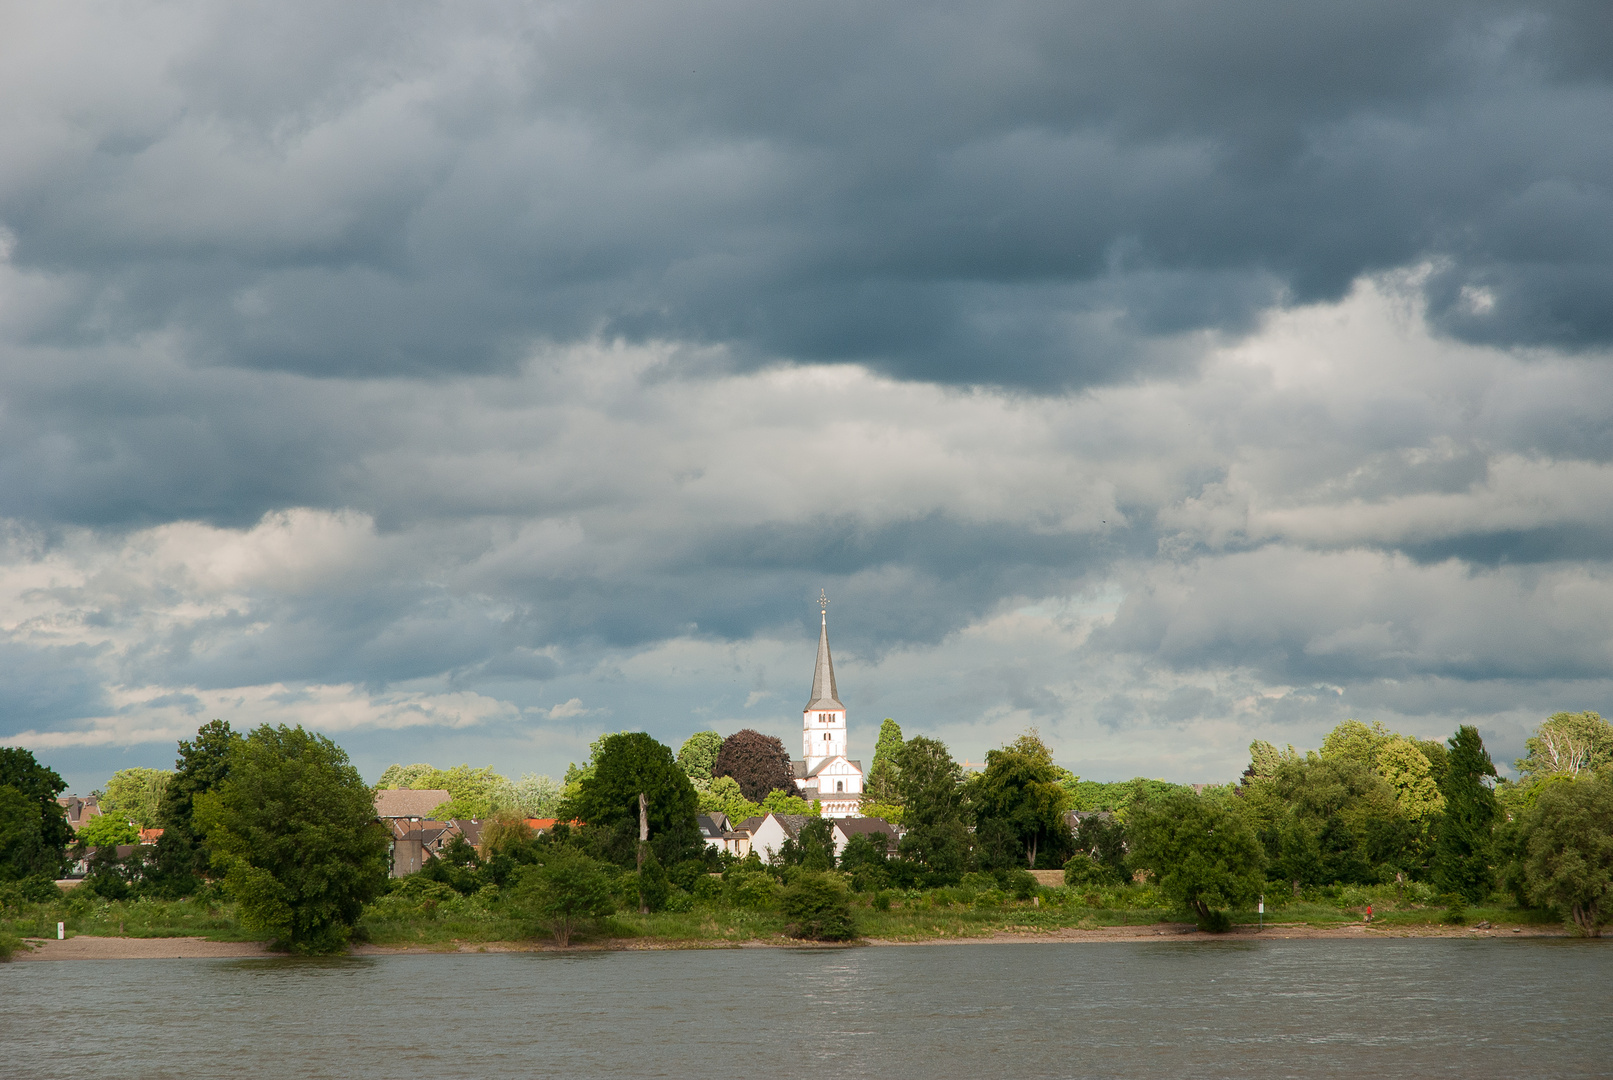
<point>824,695</point>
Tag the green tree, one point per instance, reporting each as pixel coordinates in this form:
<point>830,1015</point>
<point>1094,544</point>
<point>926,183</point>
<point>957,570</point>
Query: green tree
<point>813,847</point>
<point>565,892</point>
<point>698,755</point>
<point>1264,759</point>
<point>1568,838</point>
<point>34,833</point>
<point>532,796</point>
<point>1462,852</point>
<point>930,784</point>
<point>292,830</point>
<point>472,792</point>
<point>724,797</point>
<point>1100,852</point>
<point>1204,855</point>
<point>1404,766</point>
<point>882,774</point>
<point>1336,820</point>
<point>625,766</point>
<point>202,764</point>
<point>1567,744</point>
<point>1354,741</point>
<point>136,795</point>
<point>409,777</point>
<point>816,908</point>
<point>107,831</point>
<point>1020,787</point>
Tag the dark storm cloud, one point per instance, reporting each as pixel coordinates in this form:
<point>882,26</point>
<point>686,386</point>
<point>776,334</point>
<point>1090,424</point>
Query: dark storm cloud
<point>1021,194</point>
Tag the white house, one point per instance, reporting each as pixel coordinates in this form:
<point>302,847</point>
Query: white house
<point>769,831</point>
<point>824,772</point>
<point>844,829</point>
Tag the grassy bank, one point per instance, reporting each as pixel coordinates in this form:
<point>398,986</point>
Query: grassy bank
<point>938,914</point>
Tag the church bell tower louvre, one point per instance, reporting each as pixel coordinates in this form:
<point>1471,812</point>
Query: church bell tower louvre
<point>824,772</point>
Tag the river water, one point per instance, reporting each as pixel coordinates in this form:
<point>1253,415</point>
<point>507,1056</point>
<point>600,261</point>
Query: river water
<point>1367,1009</point>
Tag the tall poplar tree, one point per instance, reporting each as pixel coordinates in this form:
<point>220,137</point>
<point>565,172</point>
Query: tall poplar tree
<point>883,772</point>
<point>1462,853</point>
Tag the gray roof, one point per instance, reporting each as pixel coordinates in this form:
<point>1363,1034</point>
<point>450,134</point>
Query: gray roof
<point>801,770</point>
<point>824,695</point>
<point>712,825</point>
<point>792,823</point>
<point>402,802</point>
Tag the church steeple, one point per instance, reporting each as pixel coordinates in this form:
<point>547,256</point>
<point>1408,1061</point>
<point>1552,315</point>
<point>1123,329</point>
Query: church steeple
<point>824,773</point>
<point>824,695</point>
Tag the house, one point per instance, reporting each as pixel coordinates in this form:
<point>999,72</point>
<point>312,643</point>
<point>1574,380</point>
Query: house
<point>404,803</point>
<point>824,773</point>
<point>712,827</point>
<point>415,840</point>
<point>768,832</point>
<point>80,812</point>
<point>736,842</point>
<point>843,829</point>
<point>150,836</point>
<point>470,829</point>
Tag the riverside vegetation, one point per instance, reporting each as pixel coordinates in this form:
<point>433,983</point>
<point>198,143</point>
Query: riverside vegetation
<point>1420,831</point>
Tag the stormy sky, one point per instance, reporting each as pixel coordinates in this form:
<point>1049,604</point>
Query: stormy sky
<point>465,380</point>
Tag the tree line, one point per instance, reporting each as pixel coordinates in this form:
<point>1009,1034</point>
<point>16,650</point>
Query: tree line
<point>278,819</point>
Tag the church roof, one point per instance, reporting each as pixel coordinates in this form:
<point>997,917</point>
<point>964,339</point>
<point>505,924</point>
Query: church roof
<point>824,695</point>
<point>802,773</point>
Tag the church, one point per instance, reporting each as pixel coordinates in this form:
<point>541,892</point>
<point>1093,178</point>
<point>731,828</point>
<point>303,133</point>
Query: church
<point>824,772</point>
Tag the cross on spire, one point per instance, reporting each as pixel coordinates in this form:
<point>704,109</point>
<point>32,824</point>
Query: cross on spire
<point>823,602</point>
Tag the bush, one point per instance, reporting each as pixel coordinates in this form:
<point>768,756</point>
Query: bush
<point>1020,884</point>
<point>869,879</point>
<point>1215,922</point>
<point>1456,909</point>
<point>882,901</point>
<point>816,908</point>
<point>1083,870</point>
<point>707,889</point>
<point>752,891</point>
<point>30,890</point>
<point>653,886</point>
<point>565,891</point>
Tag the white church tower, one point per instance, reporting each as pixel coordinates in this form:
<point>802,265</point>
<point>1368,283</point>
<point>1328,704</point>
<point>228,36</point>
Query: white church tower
<point>824,771</point>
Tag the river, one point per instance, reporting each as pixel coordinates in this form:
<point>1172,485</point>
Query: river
<point>1359,1009</point>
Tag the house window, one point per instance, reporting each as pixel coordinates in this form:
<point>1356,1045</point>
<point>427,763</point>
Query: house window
<point>840,785</point>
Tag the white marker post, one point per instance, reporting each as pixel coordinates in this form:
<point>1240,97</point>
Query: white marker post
<point>1262,912</point>
<point>61,931</point>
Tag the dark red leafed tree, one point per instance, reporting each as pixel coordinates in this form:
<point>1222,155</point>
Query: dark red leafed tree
<point>757,762</point>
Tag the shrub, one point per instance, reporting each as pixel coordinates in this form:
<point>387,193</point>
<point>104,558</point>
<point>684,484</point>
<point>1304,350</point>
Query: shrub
<point>1021,884</point>
<point>752,891</point>
<point>816,908</point>
<point>1084,870</point>
<point>708,889</point>
<point>1455,909</point>
<point>565,891</point>
<point>882,901</point>
<point>1215,922</point>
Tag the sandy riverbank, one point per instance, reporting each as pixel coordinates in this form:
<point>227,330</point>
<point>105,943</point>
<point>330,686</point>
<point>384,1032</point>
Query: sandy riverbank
<point>85,947</point>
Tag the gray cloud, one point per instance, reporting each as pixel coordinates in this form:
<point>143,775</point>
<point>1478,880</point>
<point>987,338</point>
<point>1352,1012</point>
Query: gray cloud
<point>1024,195</point>
<point>1160,374</point>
